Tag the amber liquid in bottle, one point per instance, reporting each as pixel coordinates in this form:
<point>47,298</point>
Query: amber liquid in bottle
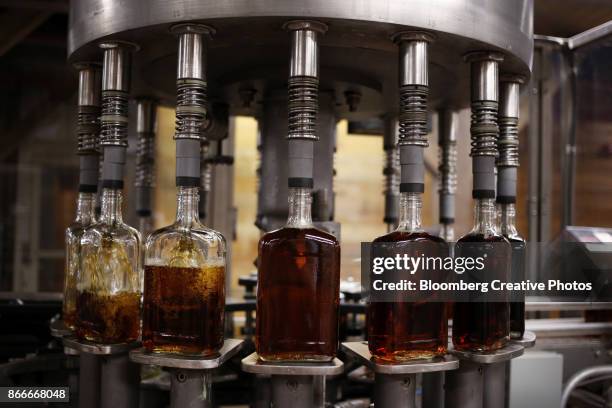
<point>508,229</point>
<point>108,318</point>
<point>401,331</point>
<point>483,326</point>
<point>109,290</point>
<point>85,217</point>
<point>298,289</point>
<point>184,309</point>
<point>184,284</point>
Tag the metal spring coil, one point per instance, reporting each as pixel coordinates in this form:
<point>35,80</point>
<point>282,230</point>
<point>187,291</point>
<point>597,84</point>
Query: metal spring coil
<point>484,130</point>
<point>303,106</point>
<point>145,160</point>
<point>448,168</point>
<point>205,169</point>
<point>413,115</point>
<point>191,108</point>
<point>508,144</point>
<point>114,119</point>
<point>88,128</point>
<point>392,171</point>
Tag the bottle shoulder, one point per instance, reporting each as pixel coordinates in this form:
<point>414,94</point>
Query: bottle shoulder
<point>117,231</point>
<point>476,236</point>
<point>415,236</point>
<point>198,233</point>
<point>287,234</point>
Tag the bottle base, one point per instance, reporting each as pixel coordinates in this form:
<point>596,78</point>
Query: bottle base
<point>295,358</point>
<point>408,356</point>
<point>182,350</point>
<point>93,338</point>
<point>481,348</point>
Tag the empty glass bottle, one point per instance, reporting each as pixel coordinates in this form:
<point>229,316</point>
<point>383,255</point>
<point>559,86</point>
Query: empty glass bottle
<point>110,282</point>
<point>298,288</point>
<point>184,293</point>
<point>85,216</point>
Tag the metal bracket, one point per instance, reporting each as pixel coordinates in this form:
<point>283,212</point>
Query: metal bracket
<point>296,385</point>
<point>190,384</point>
<point>395,384</point>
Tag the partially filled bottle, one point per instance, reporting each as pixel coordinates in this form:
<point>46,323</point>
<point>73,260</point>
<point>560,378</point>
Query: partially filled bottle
<point>88,128</point>
<point>184,295</point>
<point>298,288</point>
<point>85,216</point>
<point>507,213</point>
<point>483,325</point>
<point>184,291</point>
<point>109,288</point>
<point>399,331</point>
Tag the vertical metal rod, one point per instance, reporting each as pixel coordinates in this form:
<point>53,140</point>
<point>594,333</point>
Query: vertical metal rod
<point>464,387</point>
<point>191,101</point>
<point>114,118</point>
<point>484,129</point>
<point>447,142</point>
<point>262,392</point>
<point>319,391</point>
<point>568,145</point>
<point>89,380</point>
<point>120,382</point>
<point>144,182</point>
<point>395,391</point>
<point>495,386</point>
<point>391,172</point>
<point>433,390</point>
<point>293,391</point>
<point>190,388</point>
<point>535,125</point>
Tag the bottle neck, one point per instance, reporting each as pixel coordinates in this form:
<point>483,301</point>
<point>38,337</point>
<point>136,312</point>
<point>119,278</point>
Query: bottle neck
<point>485,216</point>
<point>187,206</point>
<point>111,206</point>
<point>300,208</point>
<point>86,208</point>
<point>410,205</point>
<point>507,219</point>
<point>447,232</point>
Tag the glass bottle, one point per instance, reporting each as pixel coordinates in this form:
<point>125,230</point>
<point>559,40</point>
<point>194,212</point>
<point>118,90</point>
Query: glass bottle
<point>110,282</point>
<point>145,225</point>
<point>400,331</point>
<point>85,216</point>
<point>483,326</point>
<point>298,288</point>
<point>184,291</point>
<point>447,232</point>
<point>507,213</point>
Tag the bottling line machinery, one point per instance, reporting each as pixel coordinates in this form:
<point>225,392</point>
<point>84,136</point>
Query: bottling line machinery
<point>388,68</point>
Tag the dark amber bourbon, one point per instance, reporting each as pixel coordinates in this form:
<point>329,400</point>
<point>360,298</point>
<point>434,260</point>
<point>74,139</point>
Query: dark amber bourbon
<point>184,309</point>
<point>517,308</point>
<point>298,295</point>
<point>108,319</point>
<point>483,326</point>
<point>401,331</point>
